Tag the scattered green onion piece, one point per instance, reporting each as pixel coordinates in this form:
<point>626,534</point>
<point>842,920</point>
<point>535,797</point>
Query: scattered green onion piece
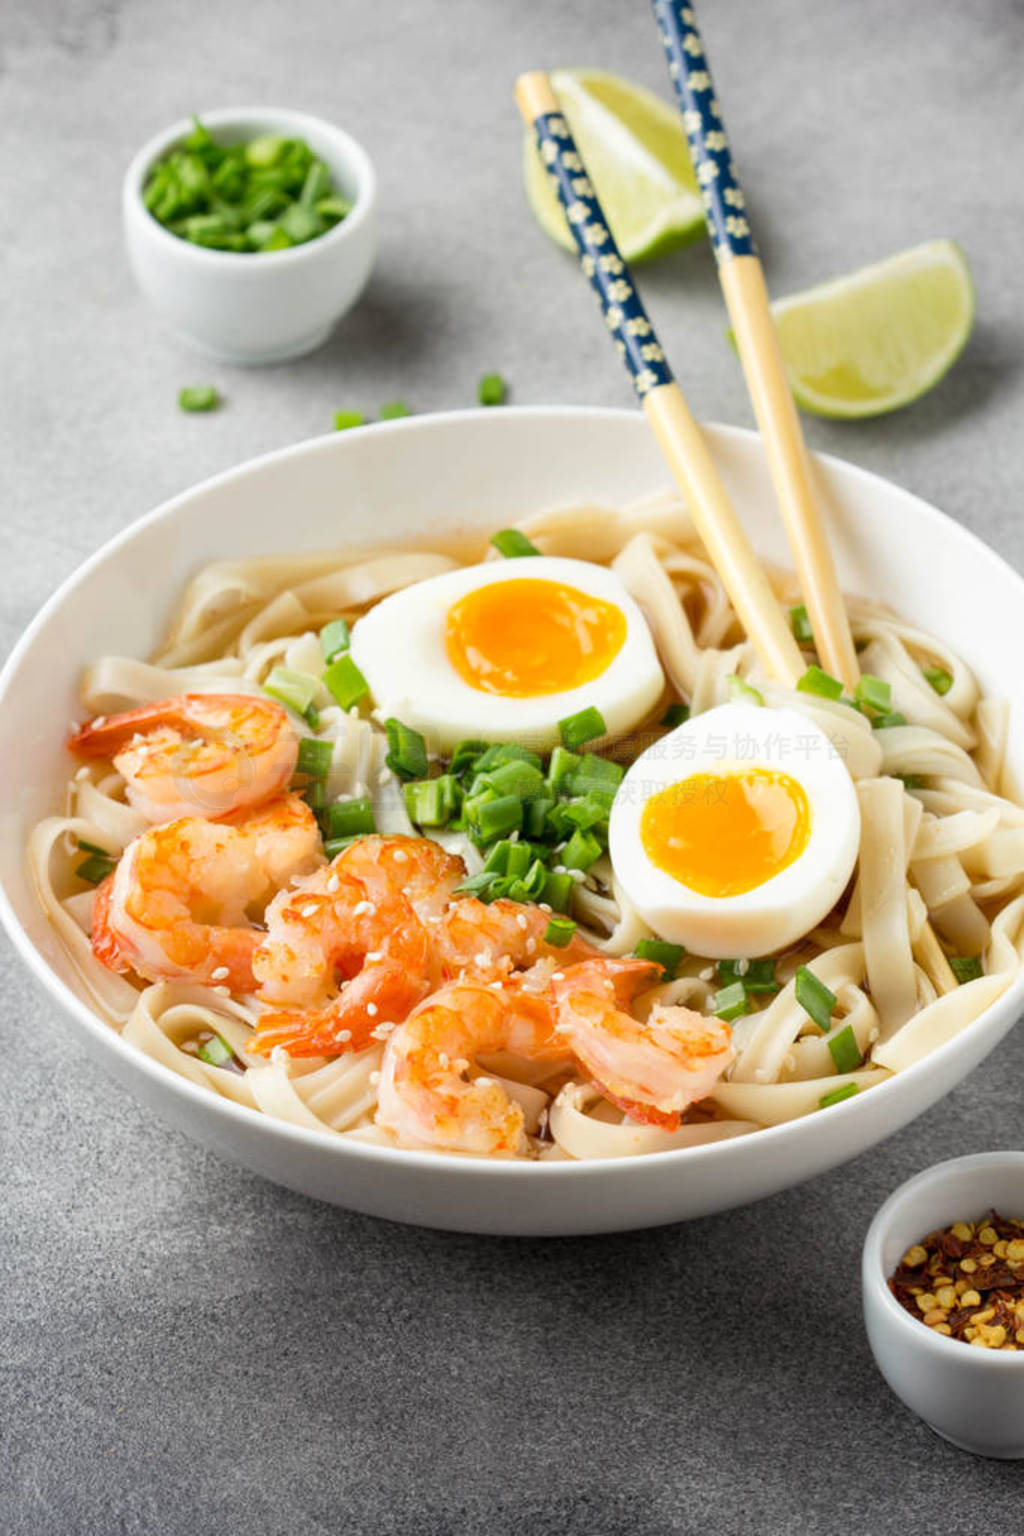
<point>940,679</point>
<point>495,817</point>
<point>311,715</point>
<point>756,975</point>
<point>520,858</point>
<point>314,758</point>
<point>465,755</point>
<point>577,729</point>
<point>667,955</point>
<point>800,624</point>
<point>815,998</point>
<point>732,1001</point>
<point>598,773</point>
<point>497,859</point>
<point>582,850</point>
<point>535,817</point>
<point>516,778</point>
<point>559,932</point>
<point>104,853</point>
<point>394,410</point>
<point>837,1095</point>
<point>966,967</point>
<point>676,714</point>
<point>264,151</point>
<point>94,868</point>
<point>911,780</point>
<point>561,770</point>
<point>425,803</point>
<point>816,681</point>
<point>315,795</point>
<point>844,1050</point>
<point>350,818</point>
<point>296,689</point>
<point>480,885</point>
<point>334,638</point>
<point>407,750</point>
<point>513,544</point>
<point>335,845</point>
<point>492,389</point>
<point>316,185</point>
<point>215,1051</point>
<point>557,890</point>
<point>344,681</point>
<point>333,208</point>
<point>277,240</point>
<point>592,810</point>
<point>501,752</point>
<point>874,692</point>
<point>528,887</point>
<point>887,721</point>
<point>345,420</point>
<point>741,692</point>
<point>198,397</point>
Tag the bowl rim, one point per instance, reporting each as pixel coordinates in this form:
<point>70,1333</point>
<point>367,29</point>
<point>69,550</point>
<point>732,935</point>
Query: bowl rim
<point>242,261</point>
<point>341,1147</point>
<point>873,1275</point>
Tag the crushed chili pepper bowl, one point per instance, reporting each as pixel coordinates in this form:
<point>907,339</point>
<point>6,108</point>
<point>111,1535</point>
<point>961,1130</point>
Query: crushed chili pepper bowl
<point>972,1397</point>
<point>266,306</point>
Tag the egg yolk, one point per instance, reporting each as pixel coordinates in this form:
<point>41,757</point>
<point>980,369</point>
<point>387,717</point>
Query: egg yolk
<point>725,833</point>
<point>524,637</point>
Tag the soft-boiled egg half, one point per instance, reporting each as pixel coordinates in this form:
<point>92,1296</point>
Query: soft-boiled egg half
<point>506,649</point>
<point>735,834</point>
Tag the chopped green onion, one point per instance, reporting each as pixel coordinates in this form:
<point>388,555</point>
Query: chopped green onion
<point>730,1002</point>
<point>215,1051</point>
<point>296,689</point>
<point>844,1050</point>
<point>800,624</point>
<point>104,853</point>
<point>582,849</point>
<point>199,397</point>
<point>513,544</point>
<point>557,890</point>
<point>466,754</point>
<point>815,680</point>
<point>515,778</point>
<point>756,975</point>
<point>940,679</point>
<point>311,715</point>
<point>580,728</point>
<point>335,845</point>
<point>480,885</point>
<point>494,817</point>
<point>966,967</point>
<point>315,794</point>
<point>874,692</point>
<point>314,757</point>
<point>333,209</point>
<point>559,932</point>
<point>394,410</point>
<point>598,773</point>
<point>911,780</point>
<point>334,638</point>
<point>529,887</point>
<point>887,721</point>
<point>264,151</point>
<point>95,868</point>
<point>561,770</point>
<point>492,389</point>
<point>407,750</point>
<point>425,803</point>
<point>592,810</point>
<point>676,714</point>
<point>350,818</point>
<point>345,420</point>
<point>741,692</point>
<point>815,998</point>
<point>667,955</point>
<point>501,752</point>
<point>535,817</point>
<point>518,860</point>
<point>344,681</point>
<point>837,1095</point>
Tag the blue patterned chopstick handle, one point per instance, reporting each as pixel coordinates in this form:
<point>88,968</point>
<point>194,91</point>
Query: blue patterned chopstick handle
<point>600,257</point>
<point>721,194</point>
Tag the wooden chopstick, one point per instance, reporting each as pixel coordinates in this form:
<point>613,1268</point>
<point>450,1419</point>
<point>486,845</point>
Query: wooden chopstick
<point>674,427</point>
<point>746,298</point>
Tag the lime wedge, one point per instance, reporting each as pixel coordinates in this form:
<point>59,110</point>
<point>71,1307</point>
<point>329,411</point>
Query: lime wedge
<point>878,337</point>
<point>638,159</point>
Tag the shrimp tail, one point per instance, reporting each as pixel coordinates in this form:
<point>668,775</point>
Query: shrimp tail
<point>382,994</point>
<point>103,939</point>
<point>645,1114</point>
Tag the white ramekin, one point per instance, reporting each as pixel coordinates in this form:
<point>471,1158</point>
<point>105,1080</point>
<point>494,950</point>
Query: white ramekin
<point>256,307</point>
<point>972,1397</point>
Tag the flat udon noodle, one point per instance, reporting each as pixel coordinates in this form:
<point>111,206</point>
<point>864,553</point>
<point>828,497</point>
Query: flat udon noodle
<point>958,837</point>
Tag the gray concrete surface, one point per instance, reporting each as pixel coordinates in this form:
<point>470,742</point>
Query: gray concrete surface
<point>186,1350</point>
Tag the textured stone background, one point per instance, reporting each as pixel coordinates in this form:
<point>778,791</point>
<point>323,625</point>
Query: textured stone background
<point>185,1349</point>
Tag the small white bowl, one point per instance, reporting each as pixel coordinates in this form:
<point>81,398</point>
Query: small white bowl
<point>259,307</point>
<point>971,1397</point>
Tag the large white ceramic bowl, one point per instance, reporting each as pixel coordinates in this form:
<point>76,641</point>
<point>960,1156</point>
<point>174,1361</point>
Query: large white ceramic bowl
<point>441,474</point>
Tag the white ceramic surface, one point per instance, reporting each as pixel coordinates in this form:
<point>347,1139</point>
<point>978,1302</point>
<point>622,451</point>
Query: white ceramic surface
<point>256,307</point>
<point>480,469</point>
<point>972,1397</point>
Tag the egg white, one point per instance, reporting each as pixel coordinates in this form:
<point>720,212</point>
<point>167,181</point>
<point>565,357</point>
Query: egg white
<point>399,646</point>
<point>734,738</point>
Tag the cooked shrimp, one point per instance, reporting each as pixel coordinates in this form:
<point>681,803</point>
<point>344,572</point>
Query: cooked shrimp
<point>417,867</point>
<point>651,1069</point>
<point>328,930</point>
<point>178,904</point>
<point>201,754</point>
<point>426,1096</point>
<point>490,941</point>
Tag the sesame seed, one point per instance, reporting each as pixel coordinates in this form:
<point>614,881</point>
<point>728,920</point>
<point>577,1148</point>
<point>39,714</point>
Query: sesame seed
<point>531,946</point>
<point>442,1060</point>
<point>344,1036</point>
<point>383,1030</point>
<point>373,955</point>
<point>708,973</point>
<point>220,973</point>
<point>310,911</point>
<point>333,885</point>
<point>99,720</point>
<point>482,959</point>
<point>364,909</point>
<point>224,991</point>
<point>521,920</point>
<point>558,976</point>
<point>400,857</point>
<point>372,1010</point>
<point>485,1082</point>
<point>375,1077</point>
<point>83,773</point>
<point>279,1056</point>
